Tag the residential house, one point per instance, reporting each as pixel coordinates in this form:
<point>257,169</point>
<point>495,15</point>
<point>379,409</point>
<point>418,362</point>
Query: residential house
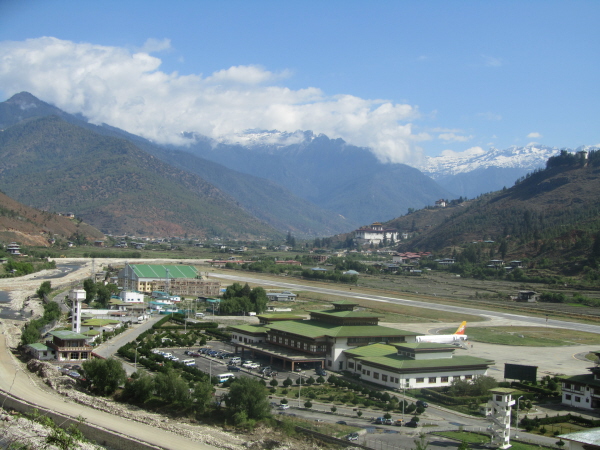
<point>69,346</point>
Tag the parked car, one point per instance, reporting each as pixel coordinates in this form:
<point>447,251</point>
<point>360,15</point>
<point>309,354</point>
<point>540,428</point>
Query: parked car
<point>411,424</point>
<point>265,369</point>
<point>321,372</point>
<point>284,406</point>
<point>388,422</point>
<point>342,422</point>
<point>398,422</point>
<point>379,420</point>
<point>250,365</point>
<point>352,437</point>
<point>233,368</point>
<point>421,403</point>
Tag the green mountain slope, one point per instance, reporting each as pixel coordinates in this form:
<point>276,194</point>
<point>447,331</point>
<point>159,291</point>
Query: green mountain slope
<point>57,166</point>
<point>264,199</point>
<point>552,213</point>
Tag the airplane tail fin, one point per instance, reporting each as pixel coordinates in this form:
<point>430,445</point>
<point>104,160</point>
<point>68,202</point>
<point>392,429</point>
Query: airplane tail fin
<point>461,328</point>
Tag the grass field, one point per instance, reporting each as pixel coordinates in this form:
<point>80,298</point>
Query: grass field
<point>476,438</point>
<point>529,336</point>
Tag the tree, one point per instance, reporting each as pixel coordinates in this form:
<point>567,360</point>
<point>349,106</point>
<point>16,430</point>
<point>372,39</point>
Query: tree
<point>172,388</point>
<point>104,375</point>
<point>308,404</point>
<point>259,299</point>
<point>333,409</point>
<point>202,394</point>
<point>274,382</point>
<point>90,289</point>
<point>140,388</point>
<point>287,382</point>
<point>250,396</point>
<point>44,289</point>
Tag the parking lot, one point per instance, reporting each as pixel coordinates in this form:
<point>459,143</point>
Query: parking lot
<point>214,364</point>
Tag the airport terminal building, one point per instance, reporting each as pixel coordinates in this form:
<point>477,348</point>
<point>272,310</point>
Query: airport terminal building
<point>344,339</point>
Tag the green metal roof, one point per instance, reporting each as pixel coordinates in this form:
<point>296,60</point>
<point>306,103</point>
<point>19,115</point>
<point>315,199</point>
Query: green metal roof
<point>99,322</point>
<point>582,379</point>
<point>315,328</point>
<point>254,329</point>
<point>338,313</point>
<point>91,333</point>
<point>40,347</point>
<point>424,346</point>
<point>155,271</point>
<point>66,334</point>
<point>386,355</point>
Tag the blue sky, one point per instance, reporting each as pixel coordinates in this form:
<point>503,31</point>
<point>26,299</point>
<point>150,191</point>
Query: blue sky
<point>407,78</point>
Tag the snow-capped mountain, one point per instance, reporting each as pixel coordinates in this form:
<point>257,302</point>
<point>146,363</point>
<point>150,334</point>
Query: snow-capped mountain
<point>530,157</point>
<point>476,171</point>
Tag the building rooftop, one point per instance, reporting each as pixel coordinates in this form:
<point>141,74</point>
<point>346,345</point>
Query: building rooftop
<point>66,334</point>
<point>40,347</point>
<point>590,436</point>
<point>316,328</point>
<point>160,271</point>
<point>386,355</point>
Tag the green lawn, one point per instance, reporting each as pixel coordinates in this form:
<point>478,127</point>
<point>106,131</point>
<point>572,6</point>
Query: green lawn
<point>476,438</point>
<point>529,336</point>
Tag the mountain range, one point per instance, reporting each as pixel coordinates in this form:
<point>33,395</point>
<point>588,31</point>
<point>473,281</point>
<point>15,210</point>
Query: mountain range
<point>474,173</point>
<point>261,184</point>
<point>552,212</point>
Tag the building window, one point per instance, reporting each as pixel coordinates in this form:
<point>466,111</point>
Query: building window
<point>567,396</point>
<point>420,380</point>
<point>328,363</point>
<point>384,378</point>
<point>577,399</point>
<point>444,379</point>
<point>468,377</point>
<point>376,375</point>
<point>359,367</point>
<point>433,379</point>
<point>350,365</point>
<point>368,373</point>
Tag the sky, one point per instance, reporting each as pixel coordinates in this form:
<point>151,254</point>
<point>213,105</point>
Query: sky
<point>408,79</point>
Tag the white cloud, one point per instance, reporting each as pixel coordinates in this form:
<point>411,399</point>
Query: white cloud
<point>127,90</point>
<point>534,135</point>
<point>492,61</point>
<point>489,116</point>
<point>454,137</point>
<point>155,45</point>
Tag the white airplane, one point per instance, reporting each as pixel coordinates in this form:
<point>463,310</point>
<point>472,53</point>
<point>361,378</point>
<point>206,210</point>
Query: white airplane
<point>459,335</point>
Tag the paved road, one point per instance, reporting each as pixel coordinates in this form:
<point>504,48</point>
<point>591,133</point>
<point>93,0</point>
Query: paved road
<point>18,383</point>
<point>348,293</point>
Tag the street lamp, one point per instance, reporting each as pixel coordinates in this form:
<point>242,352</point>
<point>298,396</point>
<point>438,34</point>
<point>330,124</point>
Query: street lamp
<point>135,361</point>
<point>300,389</point>
<point>517,427</point>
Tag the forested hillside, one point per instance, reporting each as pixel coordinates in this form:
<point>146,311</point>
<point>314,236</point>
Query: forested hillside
<point>54,165</point>
<point>553,213</point>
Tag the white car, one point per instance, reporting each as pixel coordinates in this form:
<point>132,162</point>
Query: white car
<point>285,406</point>
<point>250,365</point>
